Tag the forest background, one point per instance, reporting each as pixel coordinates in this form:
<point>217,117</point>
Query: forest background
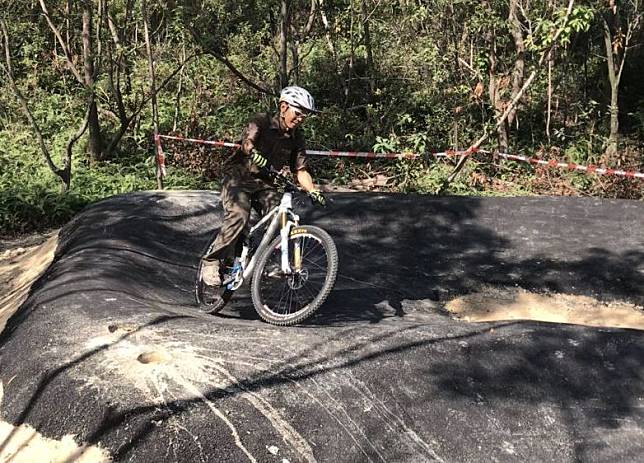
<point>79,106</point>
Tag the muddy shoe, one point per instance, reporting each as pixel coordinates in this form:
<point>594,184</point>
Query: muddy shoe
<point>210,273</point>
<point>212,300</point>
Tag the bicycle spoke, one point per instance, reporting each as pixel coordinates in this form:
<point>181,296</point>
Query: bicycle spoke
<point>286,295</point>
<point>315,245</point>
<point>311,293</point>
<point>291,293</point>
<point>283,293</point>
<point>278,293</point>
<point>315,258</point>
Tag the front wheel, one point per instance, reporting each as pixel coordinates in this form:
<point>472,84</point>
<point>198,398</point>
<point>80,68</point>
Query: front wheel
<point>287,299</point>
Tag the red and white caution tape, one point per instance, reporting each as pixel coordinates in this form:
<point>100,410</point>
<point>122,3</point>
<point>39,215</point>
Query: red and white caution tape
<point>590,169</point>
<point>372,155</point>
<point>363,154</point>
<point>203,142</point>
<point>552,163</point>
<point>330,153</point>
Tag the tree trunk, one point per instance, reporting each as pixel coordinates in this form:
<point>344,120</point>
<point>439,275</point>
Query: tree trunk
<point>68,14</point>
<point>369,51</point>
<point>295,59</point>
<point>351,62</point>
<point>549,90</point>
<point>283,50</point>
<point>327,31</point>
<point>298,37</point>
<point>549,103</point>
<point>519,62</point>
<point>613,79</point>
<point>177,98</point>
<point>503,136</point>
<point>153,97</point>
<point>95,142</point>
<point>494,89</point>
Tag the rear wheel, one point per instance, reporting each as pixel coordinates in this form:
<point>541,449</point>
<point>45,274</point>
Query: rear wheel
<point>287,299</point>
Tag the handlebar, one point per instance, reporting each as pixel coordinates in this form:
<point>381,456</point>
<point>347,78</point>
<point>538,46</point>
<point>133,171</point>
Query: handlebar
<point>283,183</point>
<point>280,180</point>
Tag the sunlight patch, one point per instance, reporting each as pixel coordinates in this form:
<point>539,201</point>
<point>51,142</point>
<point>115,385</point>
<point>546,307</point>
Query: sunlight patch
<point>23,444</point>
<point>496,304</point>
<point>19,271</point>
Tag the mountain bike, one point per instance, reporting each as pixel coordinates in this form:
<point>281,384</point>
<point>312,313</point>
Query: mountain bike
<point>292,268</point>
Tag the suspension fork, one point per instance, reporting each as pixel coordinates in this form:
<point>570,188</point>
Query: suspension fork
<point>285,231</point>
<point>297,249</point>
<point>287,220</point>
<point>297,255</point>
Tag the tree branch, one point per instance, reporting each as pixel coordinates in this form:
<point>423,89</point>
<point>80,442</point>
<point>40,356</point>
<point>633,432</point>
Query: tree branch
<point>67,160</point>
<point>327,29</point>
<point>309,23</point>
<point>238,73</point>
<point>545,55</point>
<point>63,174</point>
<point>59,37</point>
<point>23,101</point>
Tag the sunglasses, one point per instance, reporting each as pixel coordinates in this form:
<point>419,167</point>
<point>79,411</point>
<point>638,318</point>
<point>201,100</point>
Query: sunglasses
<point>298,114</point>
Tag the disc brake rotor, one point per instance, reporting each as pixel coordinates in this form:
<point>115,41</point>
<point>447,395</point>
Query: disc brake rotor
<point>298,279</point>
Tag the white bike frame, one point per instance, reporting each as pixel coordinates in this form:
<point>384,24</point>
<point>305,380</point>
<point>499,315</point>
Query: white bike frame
<point>281,217</point>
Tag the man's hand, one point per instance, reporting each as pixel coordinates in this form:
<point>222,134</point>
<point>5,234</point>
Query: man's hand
<point>257,159</point>
<point>318,197</point>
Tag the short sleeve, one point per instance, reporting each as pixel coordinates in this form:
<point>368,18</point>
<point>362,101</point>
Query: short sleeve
<point>250,135</point>
<point>298,161</point>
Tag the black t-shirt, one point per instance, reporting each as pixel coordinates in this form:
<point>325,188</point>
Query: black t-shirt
<point>281,147</point>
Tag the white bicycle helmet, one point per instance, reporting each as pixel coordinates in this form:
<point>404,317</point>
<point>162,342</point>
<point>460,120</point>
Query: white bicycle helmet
<point>298,97</point>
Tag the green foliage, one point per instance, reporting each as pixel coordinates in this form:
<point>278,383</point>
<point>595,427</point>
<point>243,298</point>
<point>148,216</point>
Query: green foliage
<point>32,198</point>
<point>545,30</point>
<point>419,82</point>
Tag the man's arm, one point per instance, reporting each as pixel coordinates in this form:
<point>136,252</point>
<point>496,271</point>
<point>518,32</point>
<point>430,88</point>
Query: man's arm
<point>249,138</point>
<point>305,179</point>
<point>303,176</point>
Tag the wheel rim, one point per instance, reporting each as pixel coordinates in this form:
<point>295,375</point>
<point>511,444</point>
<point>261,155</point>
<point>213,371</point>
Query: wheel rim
<point>285,295</point>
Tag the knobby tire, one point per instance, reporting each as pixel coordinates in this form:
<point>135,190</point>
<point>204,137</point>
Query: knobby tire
<point>285,300</point>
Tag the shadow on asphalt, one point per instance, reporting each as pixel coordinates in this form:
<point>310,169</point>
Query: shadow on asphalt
<point>140,251</point>
<point>398,247</point>
<point>392,248</point>
<point>526,377</point>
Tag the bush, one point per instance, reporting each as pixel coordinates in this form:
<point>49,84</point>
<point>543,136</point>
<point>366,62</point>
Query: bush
<point>31,197</point>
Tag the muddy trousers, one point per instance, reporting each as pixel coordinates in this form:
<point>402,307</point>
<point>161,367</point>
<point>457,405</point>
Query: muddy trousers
<point>238,196</point>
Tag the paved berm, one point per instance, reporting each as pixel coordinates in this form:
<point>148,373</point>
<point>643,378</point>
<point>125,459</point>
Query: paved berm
<point>110,348</point>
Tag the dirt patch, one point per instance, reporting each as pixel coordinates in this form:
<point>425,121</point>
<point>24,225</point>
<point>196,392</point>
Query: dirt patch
<point>496,304</point>
<point>23,444</point>
<point>20,267</point>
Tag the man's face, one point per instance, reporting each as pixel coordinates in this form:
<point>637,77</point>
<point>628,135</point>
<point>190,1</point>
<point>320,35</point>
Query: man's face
<point>291,115</point>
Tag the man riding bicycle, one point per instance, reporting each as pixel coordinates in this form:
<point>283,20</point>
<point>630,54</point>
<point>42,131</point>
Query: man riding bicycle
<point>266,141</point>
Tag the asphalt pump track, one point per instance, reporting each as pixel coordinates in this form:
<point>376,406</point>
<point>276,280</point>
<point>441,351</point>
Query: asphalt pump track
<point>110,348</point>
